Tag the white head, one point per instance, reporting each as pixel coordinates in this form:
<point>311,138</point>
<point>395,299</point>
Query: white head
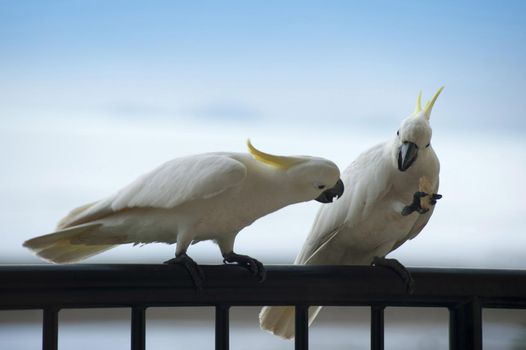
<point>312,177</point>
<point>414,136</point>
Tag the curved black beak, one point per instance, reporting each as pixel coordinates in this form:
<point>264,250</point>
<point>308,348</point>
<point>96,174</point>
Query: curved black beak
<point>327,196</point>
<point>407,155</point>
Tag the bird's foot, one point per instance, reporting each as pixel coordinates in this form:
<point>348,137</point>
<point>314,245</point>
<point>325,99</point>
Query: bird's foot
<point>254,266</point>
<point>416,206</point>
<point>399,269</point>
<point>195,271</point>
<point>435,197</point>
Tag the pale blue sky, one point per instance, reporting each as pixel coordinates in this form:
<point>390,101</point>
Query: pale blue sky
<point>360,62</point>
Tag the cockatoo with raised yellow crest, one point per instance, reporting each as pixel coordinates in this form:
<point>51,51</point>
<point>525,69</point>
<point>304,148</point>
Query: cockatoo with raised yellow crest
<point>186,200</point>
<point>373,217</point>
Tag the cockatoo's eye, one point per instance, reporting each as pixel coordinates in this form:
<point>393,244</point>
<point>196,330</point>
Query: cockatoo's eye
<point>398,133</point>
<point>427,145</point>
<point>321,187</point>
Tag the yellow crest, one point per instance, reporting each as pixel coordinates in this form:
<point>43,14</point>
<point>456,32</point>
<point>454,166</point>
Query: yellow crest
<point>418,107</point>
<point>429,104</point>
<point>270,159</point>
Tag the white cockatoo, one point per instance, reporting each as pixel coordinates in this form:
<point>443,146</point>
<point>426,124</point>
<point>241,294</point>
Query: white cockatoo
<point>186,200</point>
<point>372,218</point>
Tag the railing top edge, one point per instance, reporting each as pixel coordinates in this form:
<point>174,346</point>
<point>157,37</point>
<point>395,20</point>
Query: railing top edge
<point>269,267</point>
<point>353,280</point>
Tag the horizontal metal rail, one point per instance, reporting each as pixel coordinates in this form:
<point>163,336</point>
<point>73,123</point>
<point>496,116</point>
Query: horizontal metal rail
<point>463,291</point>
<point>78,286</point>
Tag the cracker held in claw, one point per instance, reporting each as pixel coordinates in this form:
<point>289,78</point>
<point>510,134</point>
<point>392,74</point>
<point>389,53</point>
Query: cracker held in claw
<point>426,187</point>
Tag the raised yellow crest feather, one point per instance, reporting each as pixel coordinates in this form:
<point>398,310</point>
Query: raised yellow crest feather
<point>430,103</point>
<point>418,107</point>
<point>270,159</point>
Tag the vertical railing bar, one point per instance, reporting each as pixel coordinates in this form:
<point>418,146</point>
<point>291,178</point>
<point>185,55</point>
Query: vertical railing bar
<point>377,327</point>
<point>50,329</point>
<point>456,328</point>
<point>138,328</point>
<point>453,328</point>
<point>301,324</point>
<point>222,327</point>
<point>476,311</point>
<point>465,326</point>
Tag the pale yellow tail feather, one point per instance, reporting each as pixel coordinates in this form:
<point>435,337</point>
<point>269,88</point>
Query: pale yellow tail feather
<point>72,253</point>
<point>41,242</point>
<point>58,247</point>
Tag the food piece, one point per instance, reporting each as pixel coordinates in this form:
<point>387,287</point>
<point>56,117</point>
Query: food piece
<point>425,186</point>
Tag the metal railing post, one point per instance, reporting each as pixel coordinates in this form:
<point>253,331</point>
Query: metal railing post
<point>222,327</point>
<point>301,324</point>
<point>138,328</point>
<point>465,326</point>
<point>50,329</point>
<point>377,327</point>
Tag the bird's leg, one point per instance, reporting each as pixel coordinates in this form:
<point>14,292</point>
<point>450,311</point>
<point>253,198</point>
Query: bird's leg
<point>195,271</point>
<point>254,266</point>
<point>226,245</point>
<point>399,269</point>
<point>415,205</point>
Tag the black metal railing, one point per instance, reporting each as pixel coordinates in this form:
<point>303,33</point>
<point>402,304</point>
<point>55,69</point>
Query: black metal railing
<point>464,292</point>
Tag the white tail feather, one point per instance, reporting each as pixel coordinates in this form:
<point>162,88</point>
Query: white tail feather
<point>60,247</point>
<point>73,215</point>
<point>279,320</point>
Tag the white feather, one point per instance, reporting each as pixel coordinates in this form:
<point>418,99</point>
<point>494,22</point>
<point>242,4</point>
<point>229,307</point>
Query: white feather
<point>208,196</point>
<point>366,222</point>
<point>182,180</point>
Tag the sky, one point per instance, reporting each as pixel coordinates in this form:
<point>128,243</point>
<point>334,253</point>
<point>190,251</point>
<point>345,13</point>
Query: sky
<point>358,62</point>
<point>95,93</point>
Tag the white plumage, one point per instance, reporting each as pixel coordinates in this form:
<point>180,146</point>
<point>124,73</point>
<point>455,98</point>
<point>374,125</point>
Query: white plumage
<point>367,221</point>
<point>190,199</point>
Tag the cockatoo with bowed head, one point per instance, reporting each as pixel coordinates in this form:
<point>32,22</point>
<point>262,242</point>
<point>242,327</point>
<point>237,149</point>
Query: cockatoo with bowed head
<point>372,218</point>
<point>186,200</point>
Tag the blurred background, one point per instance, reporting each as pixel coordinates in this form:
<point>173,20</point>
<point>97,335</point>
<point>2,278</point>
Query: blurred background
<point>95,93</point>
